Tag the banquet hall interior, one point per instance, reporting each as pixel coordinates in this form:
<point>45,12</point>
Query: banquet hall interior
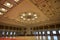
<point>29,19</point>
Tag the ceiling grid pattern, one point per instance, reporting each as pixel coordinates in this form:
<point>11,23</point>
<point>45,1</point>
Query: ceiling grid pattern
<point>46,6</point>
<point>48,11</point>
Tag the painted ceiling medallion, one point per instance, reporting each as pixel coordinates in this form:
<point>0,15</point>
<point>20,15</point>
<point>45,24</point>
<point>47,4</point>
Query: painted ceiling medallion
<point>28,16</point>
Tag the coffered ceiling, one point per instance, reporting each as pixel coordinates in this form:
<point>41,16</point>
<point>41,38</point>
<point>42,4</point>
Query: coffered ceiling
<point>30,12</point>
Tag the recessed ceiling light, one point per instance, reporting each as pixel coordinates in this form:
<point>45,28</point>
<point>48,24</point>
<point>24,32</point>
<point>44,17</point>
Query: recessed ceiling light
<point>29,13</point>
<point>8,4</point>
<point>16,0</point>
<point>35,15</point>
<point>3,10</point>
<point>1,13</point>
<point>23,14</point>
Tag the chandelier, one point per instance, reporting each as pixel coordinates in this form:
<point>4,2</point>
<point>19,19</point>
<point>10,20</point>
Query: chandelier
<point>28,16</point>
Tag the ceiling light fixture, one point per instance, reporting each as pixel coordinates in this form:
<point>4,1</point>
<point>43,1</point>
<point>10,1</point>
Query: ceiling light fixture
<point>23,14</point>
<point>35,15</point>
<point>3,10</point>
<point>1,13</point>
<point>28,16</point>
<point>16,0</point>
<point>7,4</point>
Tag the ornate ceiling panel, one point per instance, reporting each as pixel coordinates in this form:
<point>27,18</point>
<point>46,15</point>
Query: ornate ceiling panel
<point>31,12</point>
<point>6,5</point>
<point>50,8</point>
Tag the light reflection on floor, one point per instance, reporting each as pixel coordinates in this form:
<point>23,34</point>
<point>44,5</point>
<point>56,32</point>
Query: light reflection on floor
<point>19,38</point>
<point>30,38</point>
